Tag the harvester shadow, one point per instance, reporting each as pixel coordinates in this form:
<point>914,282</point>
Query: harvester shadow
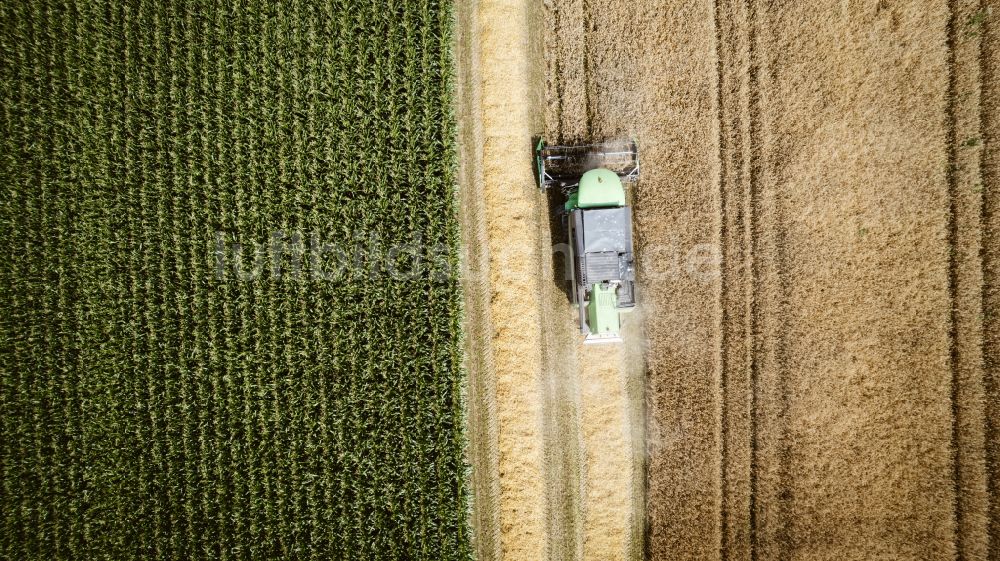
<point>558,230</point>
<point>555,202</point>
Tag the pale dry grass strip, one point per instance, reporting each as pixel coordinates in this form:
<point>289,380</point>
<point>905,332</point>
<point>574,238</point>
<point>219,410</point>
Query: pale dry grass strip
<point>606,428</point>
<point>503,220</point>
<point>772,474</point>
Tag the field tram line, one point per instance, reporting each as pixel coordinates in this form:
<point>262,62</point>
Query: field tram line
<point>739,227</point>
<point>990,124</point>
<point>968,277</point>
<point>769,525</point>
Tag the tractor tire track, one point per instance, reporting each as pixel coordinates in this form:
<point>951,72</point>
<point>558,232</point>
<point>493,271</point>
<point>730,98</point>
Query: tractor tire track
<point>771,474</point>
<point>989,32</point>
<point>966,284</point>
<point>737,365</point>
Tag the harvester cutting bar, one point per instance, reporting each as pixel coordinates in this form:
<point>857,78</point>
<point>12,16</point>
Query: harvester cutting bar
<point>562,166</point>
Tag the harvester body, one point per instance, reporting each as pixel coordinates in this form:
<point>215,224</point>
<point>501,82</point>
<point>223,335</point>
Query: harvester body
<point>599,223</point>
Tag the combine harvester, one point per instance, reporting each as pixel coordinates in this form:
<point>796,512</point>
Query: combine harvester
<point>599,221</point>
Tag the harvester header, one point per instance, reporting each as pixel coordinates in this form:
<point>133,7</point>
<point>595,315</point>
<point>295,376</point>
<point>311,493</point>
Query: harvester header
<point>562,166</point>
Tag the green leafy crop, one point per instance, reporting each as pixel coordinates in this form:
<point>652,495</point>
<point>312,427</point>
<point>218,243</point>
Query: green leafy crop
<point>155,404</point>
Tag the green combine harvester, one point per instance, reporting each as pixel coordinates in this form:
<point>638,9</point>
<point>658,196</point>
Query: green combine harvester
<point>599,223</point>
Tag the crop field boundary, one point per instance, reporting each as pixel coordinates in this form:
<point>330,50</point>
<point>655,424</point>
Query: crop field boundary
<point>481,383</point>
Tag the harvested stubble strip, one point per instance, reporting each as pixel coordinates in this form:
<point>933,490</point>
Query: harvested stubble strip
<point>970,280</point>
<point>502,277</point>
<point>608,484</point>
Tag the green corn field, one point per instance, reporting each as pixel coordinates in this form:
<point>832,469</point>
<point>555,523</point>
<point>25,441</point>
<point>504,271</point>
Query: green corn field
<point>191,368</point>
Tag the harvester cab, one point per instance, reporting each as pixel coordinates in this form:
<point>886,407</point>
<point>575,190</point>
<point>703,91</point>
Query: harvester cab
<point>599,221</point>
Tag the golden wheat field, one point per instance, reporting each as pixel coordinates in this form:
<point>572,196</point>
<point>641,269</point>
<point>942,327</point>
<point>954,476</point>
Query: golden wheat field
<point>814,373</point>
